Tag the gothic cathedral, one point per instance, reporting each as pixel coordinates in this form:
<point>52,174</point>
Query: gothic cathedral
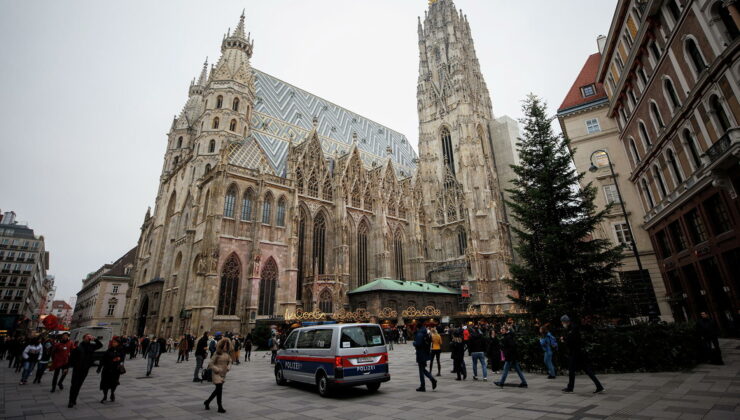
<point>272,199</point>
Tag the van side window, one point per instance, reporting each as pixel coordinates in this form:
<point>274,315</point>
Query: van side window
<point>322,339</point>
<point>305,340</point>
<point>361,336</point>
<point>292,338</point>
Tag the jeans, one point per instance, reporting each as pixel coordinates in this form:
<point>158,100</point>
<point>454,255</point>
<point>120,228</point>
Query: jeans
<point>576,363</point>
<point>424,372</point>
<point>507,365</point>
<point>150,364</point>
<point>479,356</point>
<point>40,370</point>
<point>548,363</point>
<point>198,366</point>
<point>27,369</point>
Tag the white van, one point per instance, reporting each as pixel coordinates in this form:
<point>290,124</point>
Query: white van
<point>334,355</point>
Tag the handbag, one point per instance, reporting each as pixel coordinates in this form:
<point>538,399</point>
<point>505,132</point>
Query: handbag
<point>121,369</point>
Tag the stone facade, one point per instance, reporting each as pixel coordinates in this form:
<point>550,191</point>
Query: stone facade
<point>272,200</point>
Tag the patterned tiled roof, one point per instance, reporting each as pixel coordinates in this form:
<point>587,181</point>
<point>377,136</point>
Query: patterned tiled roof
<point>586,77</point>
<point>282,110</point>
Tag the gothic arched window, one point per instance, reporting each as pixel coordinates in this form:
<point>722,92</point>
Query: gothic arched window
<point>235,104</point>
<point>327,189</point>
<point>179,142</point>
<point>671,94</point>
<point>247,200</point>
<point>281,212</point>
<point>447,149</point>
<point>368,205</point>
<point>656,115</point>
<point>356,196</point>
<point>219,101</point>
<point>232,125</point>
<point>696,58</point>
<point>301,253</point>
<point>362,254</point>
<point>313,186</point>
<point>644,134</point>
<point>215,123</point>
<point>719,112</point>
<point>229,201</point>
<point>228,292</point>
<point>325,301</point>
<point>268,284</point>
<point>633,149</point>
<point>267,209</point>
<point>398,255</point>
<point>319,239</point>
<point>462,241</point>
<point>212,146</point>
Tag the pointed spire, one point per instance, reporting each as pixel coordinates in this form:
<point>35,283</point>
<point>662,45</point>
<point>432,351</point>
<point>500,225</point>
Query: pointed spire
<point>239,31</point>
<point>203,74</point>
<point>420,28</point>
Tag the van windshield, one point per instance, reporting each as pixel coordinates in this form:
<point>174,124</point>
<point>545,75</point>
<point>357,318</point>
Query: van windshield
<point>361,336</point>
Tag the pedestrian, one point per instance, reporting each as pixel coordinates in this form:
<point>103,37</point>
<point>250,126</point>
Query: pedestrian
<point>144,346</point>
<point>219,366</point>
<point>152,353</point>
<point>423,346</point>
<point>60,361</point>
<point>436,351</point>
<point>707,330</point>
<point>201,349</point>
<point>182,349</point>
<point>493,350</point>
<point>388,338</point>
<point>170,344</point>
<point>511,356</point>
<point>43,360</point>
<point>20,345</point>
<point>457,354</point>
<point>477,350</point>
<point>248,347</point>
<point>549,345</point>
<point>577,356</point>
<point>237,346</point>
<point>212,344</point>
<point>274,345</point>
<point>191,346</point>
<point>31,355</point>
<point>162,348</point>
<point>81,358</point>
<point>112,369</point>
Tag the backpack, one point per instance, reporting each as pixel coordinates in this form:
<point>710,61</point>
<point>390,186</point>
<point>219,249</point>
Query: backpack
<point>207,375</point>
<point>553,342</point>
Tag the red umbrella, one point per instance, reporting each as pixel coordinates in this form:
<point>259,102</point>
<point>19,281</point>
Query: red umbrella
<point>51,322</point>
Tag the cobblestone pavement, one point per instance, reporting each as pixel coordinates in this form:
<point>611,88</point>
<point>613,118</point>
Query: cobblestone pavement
<point>707,392</point>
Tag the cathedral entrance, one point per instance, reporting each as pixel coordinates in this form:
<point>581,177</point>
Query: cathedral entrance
<point>143,312</point>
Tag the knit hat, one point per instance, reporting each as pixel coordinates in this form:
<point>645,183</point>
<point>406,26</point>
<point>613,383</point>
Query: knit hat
<point>565,318</point>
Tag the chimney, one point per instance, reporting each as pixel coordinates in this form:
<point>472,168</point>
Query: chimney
<point>601,43</point>
<point>8,218</point>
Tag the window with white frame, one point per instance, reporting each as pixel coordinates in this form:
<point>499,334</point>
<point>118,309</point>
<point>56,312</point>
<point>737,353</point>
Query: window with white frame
<point>588,90</point>
<point>592,125</point>
<point>14,309</point>
<point>111,309</point>
<point>610,192</point>
<point>115,288</point>
<point>622,234</point>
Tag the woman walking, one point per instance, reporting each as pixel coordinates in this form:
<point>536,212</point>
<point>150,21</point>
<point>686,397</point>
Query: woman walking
<point>31,355</point>
<point>43,360</point>
<point>436,351</point>
<point>493,350</point>
<point>219,366</point>
<point>112,369</point>
<point>511,356</point>
<point>183,349</point>
<point>248,347</point>
<point>549,344</point>
<point>457,348</point>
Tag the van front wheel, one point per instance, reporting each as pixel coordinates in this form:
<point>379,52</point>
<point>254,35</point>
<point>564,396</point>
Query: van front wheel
<point>373,387</point>
<point>279,376</point>
<point>322,382</point>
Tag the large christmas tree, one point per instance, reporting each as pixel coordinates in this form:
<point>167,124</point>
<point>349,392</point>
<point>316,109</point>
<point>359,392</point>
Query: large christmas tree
<point>563,268</point>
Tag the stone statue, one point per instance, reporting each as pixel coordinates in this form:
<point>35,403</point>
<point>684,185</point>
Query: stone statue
<point>256,266</point>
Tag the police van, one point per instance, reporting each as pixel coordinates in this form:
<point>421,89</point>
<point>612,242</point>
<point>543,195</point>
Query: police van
<point>333,356</point>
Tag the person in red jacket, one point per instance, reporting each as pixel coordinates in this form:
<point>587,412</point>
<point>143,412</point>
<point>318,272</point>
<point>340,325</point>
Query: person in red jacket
<point>60,361</point>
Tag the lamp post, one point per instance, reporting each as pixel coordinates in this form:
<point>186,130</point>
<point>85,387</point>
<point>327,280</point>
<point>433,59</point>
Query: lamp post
<point>594,168</point>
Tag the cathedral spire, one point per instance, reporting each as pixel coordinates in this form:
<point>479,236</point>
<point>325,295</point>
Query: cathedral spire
<point>203,79</point>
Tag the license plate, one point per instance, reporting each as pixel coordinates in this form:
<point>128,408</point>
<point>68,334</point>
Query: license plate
<point>366,359</point>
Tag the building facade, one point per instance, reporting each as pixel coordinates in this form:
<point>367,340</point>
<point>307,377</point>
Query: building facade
<point>670,70</point>
<point>584,120</point>
<point>273,200</point>
<point>23,264</point>
<point>51,293</point>
<point>102,299</point>
<point>63,311</point>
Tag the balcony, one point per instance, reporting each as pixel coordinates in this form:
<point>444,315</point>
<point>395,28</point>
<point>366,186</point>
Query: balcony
<point>721,160</point>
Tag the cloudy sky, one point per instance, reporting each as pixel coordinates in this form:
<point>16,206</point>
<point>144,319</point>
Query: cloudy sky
<point>90,89</point>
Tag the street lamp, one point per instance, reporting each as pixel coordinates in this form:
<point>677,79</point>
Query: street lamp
<point>593,168</point>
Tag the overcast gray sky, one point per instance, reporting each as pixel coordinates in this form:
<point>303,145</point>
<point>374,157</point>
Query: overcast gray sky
<point>90,89</point>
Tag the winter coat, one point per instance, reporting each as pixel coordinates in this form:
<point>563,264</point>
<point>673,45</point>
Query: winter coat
<point>548,343</point>
<point>219,365</point>
<point>83,355</point>
<point>457,348</point>
<point>423,348</point>
<point>32,352</point>
<point>574,342</point>
<point>183,345</point>
<point>60,354</point>
<point>110,374</point>
<point>154,350</point>
<point>509,347</point>
<point>475,343</point>
<point>202,346</point>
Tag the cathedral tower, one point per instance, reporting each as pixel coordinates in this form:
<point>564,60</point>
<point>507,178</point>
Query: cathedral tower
<point>466,221</point>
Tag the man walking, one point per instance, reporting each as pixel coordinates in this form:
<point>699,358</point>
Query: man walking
<point>81,358</point>
<point>201,349</point>
<point>60,361</point>
<point>707,329</point>
<point>423,346</point>
<point>577,357</point>
<point>152,354</point>
<point>477,349</point>
<point>163,346</point>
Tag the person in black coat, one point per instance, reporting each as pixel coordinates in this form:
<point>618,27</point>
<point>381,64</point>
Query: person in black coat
<point>81,359</point>
<point>457,353</point>
<point>493,351</point>
<point>577,357</point>
<point>511,356</point>
<point>112,362</point>
<point>707,330</point>
<point>422,344</point>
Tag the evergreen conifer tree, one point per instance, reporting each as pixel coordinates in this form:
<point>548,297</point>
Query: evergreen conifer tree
<point>563,268</point>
